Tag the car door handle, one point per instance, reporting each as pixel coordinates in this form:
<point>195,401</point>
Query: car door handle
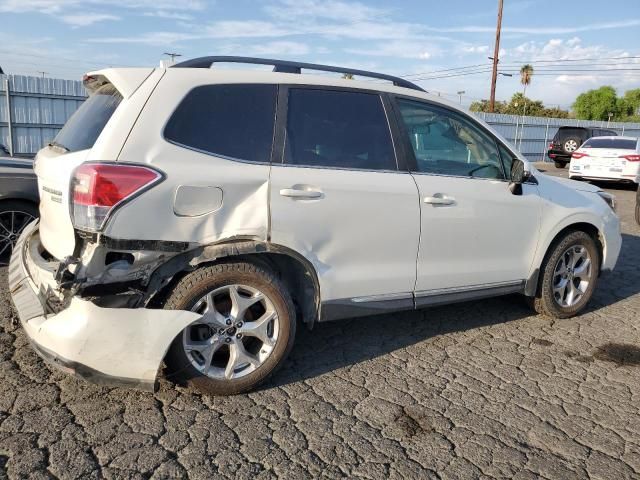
<point>439,199</point>
<point>301,194</point>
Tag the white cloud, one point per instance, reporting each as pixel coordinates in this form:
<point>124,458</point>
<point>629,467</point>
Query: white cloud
<point>334,10</point>
<point>481,49</point>
<point>169,15</point>
<point>85,19</point>
<point>269,48</point>
<point>398,49</point>
<point>80,17</point>
<point>560,30</point>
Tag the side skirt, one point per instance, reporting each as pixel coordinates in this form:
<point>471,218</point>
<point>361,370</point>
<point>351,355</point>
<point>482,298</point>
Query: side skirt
<point>379,304</point>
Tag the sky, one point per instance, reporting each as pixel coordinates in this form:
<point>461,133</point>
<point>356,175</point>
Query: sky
<point>443,45</point>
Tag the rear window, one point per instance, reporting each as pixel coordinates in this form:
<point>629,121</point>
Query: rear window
<point>84,127</point>
<point>228,120</point>
<point>563,133</point>
<point>623,143</point>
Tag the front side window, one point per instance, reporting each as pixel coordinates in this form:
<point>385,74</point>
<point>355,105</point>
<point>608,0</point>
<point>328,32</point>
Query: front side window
<point>228,120</point>
<point>446,143</point>
<point>337,129</point>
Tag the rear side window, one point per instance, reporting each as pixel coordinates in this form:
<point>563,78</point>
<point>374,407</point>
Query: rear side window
<point>228,120</point>
<point>84,127</point>
<point>624,143</point>
<point>338,129</point>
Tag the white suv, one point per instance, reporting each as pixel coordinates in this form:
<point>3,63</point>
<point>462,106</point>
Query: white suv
<point>194,215</point>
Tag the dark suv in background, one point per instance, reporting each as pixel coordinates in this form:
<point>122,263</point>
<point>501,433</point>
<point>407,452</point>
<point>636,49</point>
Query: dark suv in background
<point>568,139</point>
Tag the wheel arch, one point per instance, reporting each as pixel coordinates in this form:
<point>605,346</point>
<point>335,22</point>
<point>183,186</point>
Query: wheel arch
<point>296,272</point>
<point>533,283</point>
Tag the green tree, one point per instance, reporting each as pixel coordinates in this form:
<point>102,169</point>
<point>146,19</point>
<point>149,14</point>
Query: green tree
<point>596,104</point>
<point>629,106</point>
<point>535,108</point>
<point>526,75</point>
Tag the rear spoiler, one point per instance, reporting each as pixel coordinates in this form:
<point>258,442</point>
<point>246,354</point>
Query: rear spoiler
<point>126,80</point>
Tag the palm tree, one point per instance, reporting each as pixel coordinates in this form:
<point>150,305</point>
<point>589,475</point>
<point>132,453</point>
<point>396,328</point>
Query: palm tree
<point>526,75</point>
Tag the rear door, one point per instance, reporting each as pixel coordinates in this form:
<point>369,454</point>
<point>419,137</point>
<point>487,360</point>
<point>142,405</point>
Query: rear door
<point>338,197</point>
<point>475,233</point>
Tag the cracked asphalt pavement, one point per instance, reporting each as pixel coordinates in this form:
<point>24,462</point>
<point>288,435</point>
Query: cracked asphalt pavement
<point>480,389</point>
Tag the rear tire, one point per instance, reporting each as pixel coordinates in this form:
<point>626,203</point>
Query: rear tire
<point>579,254</point>
<point>241,356</point>
<point>560,164</point>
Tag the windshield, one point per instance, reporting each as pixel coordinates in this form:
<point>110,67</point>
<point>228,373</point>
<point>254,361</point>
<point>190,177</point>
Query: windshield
<point>84,127</point>
<point>623,143</point>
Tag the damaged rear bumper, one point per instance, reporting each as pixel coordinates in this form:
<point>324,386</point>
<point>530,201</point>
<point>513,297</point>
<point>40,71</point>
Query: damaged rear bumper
<point>109,346</point>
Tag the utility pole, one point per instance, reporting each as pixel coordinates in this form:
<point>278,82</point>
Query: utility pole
<point>173,56</point>
<point>43,73</point>
<point>460,93</point>
<point>496,51</point>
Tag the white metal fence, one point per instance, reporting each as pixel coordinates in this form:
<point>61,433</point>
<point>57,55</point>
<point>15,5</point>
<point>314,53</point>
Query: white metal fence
<point>34,109</point>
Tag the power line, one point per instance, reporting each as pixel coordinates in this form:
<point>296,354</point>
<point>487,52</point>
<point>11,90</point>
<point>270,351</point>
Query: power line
<point>558,62</point>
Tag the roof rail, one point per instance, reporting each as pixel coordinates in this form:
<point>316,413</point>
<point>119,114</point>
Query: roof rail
<point>286,66</point>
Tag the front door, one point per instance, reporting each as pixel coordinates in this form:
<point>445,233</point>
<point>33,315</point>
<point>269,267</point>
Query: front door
<point>339,199</point>
<point>475,234</point>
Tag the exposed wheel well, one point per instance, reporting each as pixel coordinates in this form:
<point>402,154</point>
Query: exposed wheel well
<point>301,282</point>
<point>296,273</point>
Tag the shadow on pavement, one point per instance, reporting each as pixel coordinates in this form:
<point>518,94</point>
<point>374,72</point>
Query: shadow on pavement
<point>334,345</point>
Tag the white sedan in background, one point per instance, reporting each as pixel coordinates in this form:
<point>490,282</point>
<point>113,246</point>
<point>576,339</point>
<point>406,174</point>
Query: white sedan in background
<point>607,158</point>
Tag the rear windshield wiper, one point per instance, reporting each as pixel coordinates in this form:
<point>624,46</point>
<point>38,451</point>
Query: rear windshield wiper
<point>59,146</point>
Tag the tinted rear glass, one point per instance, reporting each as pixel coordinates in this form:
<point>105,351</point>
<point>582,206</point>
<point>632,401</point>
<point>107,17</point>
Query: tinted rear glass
<point>229,120</point>
<point>84,127</point>
<point>570,132</point>
<point>610,143</point>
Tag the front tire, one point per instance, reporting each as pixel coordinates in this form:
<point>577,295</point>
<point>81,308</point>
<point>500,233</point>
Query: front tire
<point>568,276</point>
<point>246,331</point>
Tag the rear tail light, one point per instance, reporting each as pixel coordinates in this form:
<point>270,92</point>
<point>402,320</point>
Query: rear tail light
<point>551,146</point>
<point>577,155</point>
<point>631,158</point>
<point>97,189</point>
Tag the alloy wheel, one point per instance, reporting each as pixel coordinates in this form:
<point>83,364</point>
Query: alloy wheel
<point>570,146</point>
<point>12,222</point>
<point>572,276</point>
<point>236,334</point>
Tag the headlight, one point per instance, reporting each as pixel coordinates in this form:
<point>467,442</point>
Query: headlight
<point>610,199</point>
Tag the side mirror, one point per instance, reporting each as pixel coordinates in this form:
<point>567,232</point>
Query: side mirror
<point>518,176</point>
